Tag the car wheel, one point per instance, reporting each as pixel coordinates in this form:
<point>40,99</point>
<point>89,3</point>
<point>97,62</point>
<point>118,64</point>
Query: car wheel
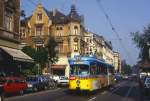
<point>45,87</point>
<point>2,97</point>
<point>21,92</point>
<point>35,89</point>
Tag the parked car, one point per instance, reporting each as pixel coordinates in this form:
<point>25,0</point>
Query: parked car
<point>51,82</point>
<point>55,77</point>
<point>118,77</point>
<point>63,81</point>
<point>37,82</point>
<point>13,85</point>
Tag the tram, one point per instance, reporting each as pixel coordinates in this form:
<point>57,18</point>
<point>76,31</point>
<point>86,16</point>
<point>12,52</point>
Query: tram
<point>89,74</point>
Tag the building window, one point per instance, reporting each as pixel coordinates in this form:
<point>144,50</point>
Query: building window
<point>39,30</point>
<point>75,30</point>
<point>87,40</point>
<point>59,48</point>
<point>8,21</point>
<point>75,47</point>
<point>39,16</point>
<point>59,31</point>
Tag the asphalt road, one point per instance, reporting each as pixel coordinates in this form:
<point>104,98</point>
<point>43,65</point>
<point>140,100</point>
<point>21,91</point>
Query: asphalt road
<point>123,91</point>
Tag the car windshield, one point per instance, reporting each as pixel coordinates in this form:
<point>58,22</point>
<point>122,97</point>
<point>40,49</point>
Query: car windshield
<point>63,78</point>
<point>79,70</point>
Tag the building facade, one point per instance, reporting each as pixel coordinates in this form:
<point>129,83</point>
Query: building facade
<point>117,62</point>
<point>66,29</point>
<point>11,58</point>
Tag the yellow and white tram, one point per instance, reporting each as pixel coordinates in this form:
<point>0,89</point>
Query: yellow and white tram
<point>89,74</point>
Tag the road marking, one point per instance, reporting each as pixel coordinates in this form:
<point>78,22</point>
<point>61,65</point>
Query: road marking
<point>92,98</point>
<point>127,94</point>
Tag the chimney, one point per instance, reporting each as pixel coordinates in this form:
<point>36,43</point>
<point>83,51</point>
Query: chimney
<point>54,12</point>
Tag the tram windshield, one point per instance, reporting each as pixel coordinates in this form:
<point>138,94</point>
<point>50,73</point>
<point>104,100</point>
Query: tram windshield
<point>79,70</point>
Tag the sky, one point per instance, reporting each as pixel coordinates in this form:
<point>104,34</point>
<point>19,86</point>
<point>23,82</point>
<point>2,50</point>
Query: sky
<point>126,16</point>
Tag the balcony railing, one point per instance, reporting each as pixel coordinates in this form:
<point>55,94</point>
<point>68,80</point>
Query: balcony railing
<point>12,36</point>
<point>59,39</point>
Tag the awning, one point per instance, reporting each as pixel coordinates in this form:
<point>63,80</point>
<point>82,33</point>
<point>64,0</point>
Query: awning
<point>58,66</point>
<point>17,54</point>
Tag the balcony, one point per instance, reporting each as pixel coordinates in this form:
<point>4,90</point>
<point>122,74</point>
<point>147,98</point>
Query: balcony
<point>59,39</point>
<point>10,36</point>
<point>39,22</point>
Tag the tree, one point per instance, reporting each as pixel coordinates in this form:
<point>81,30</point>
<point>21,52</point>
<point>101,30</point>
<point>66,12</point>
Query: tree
<point>126,68</point>
<point>29,51</point>
<point>51,46</point>
<point>40,57</point>
<point>142,41</point>
<point>52,53</point>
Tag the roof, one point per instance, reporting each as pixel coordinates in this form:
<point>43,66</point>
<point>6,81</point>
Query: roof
<point>57,17</point>
<point>23,22</point>
<point>73,15</point>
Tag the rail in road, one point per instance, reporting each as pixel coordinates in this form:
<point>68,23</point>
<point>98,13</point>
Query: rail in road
<point>123,91</point>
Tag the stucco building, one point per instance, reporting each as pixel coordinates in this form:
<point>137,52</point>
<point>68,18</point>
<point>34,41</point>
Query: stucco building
<point>66,29</point>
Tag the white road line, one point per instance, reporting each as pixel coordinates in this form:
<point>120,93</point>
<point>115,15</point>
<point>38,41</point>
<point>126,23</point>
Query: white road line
<point>127,94</point>
<point>92,98</point>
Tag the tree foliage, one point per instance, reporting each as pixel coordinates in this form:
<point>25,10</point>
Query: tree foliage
<point>29,51</point>
<point>51,46</point>
<point>41,56</point>
<point>126,68</point>
<point>141,40</point>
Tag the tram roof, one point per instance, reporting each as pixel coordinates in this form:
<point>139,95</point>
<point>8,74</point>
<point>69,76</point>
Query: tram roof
<point>90,59</point>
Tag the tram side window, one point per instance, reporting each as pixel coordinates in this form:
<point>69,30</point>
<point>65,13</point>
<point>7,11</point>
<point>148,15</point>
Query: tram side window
<point>98,69</point>
<point>111,70</point>
<point>103,69</point>
<point>93,69</point>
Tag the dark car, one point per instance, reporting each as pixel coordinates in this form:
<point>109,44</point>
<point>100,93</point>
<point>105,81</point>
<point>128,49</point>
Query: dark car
<point>118,77</point>
<point>37,82</point>
<point>13,85</point>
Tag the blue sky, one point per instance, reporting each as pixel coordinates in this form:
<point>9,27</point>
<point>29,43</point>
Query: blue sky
<point>126,16</point>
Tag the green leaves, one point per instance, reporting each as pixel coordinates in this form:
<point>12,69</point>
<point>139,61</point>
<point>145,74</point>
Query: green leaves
<point>52,52</point>
<point>141,40</point>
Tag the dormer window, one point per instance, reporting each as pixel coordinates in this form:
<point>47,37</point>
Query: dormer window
<point>39,16</point>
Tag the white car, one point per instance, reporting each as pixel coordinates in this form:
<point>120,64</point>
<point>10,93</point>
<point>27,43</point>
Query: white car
<point>55,77</point>
<point>63,81</point>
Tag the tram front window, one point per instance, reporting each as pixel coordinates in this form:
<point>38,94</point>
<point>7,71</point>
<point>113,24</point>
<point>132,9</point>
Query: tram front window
<point>79,70</point>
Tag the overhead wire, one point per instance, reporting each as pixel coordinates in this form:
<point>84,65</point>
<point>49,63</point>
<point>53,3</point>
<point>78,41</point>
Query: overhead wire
<point>113,29</point>
<point>33,3</point>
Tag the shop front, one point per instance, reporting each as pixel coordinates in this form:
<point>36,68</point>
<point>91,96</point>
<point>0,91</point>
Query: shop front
<point>13,61</point>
